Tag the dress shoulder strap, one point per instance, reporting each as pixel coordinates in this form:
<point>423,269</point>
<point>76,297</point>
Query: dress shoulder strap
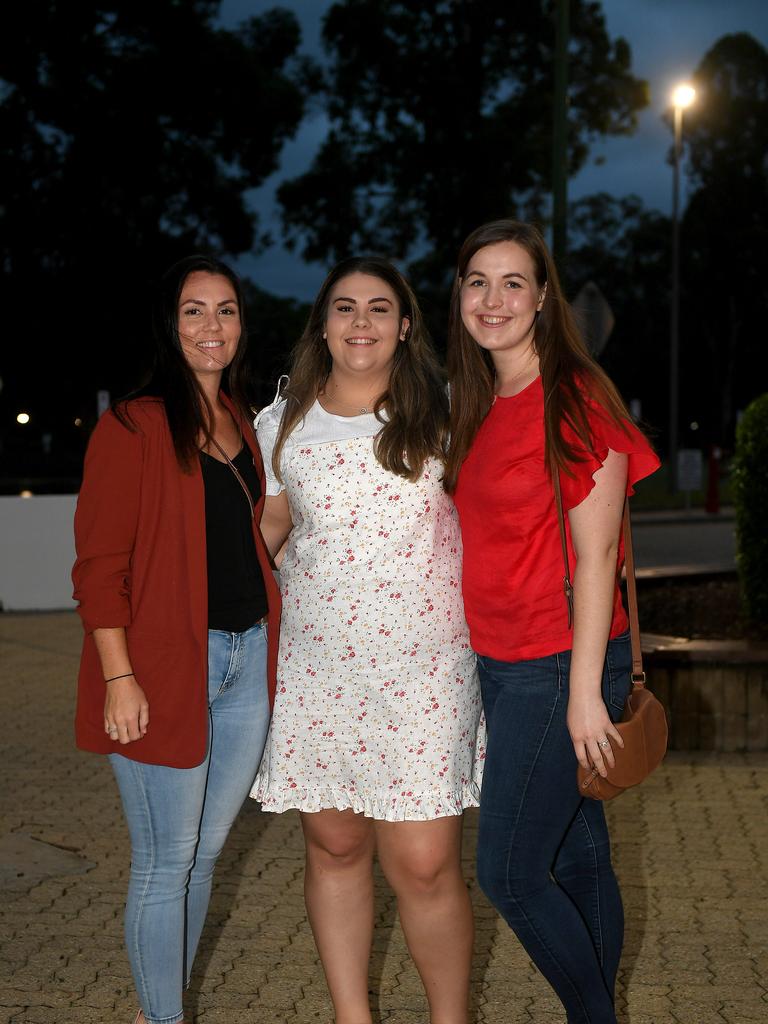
<point>282,383</point>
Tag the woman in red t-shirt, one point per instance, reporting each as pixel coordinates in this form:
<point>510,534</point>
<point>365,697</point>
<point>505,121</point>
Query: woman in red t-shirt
<point>526,394</point>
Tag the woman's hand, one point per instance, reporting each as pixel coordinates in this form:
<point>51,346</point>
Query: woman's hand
<point>126,711</point>
<point>126,708</point>
<point>592,732</point>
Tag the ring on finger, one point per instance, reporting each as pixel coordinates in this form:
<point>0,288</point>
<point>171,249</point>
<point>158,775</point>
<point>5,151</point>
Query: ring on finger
<point>604,744</point>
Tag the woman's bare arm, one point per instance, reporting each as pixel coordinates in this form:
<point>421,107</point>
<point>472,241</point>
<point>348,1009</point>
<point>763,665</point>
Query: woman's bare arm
<point>595,526</point>
<point>276,522</point>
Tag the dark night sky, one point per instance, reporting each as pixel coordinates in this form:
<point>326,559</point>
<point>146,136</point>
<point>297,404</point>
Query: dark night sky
<point>668,39</point>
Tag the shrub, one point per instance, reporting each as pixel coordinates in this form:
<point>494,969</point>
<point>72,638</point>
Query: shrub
<point>750,491</point>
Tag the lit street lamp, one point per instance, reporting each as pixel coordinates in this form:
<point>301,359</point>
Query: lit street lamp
<point>682,96</point>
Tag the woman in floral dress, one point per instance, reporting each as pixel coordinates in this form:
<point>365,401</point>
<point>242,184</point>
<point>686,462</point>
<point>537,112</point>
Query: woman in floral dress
<point>377,716</point>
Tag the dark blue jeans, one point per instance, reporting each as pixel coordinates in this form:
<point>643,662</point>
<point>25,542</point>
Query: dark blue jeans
<point>543,855</point>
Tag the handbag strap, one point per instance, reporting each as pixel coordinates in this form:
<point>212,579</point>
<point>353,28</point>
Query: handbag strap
<point>238,475</point>
<point>638,675</point>
<point>567,585</point>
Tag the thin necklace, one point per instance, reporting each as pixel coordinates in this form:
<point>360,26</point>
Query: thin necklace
<point>362,410</point>
<point>516,377</point>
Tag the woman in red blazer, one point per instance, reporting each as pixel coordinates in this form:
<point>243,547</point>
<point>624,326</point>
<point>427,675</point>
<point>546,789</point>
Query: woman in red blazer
<point>175,589</point>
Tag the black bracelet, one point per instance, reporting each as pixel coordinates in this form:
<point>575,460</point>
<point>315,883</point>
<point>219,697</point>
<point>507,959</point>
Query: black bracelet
<point>124,676</point>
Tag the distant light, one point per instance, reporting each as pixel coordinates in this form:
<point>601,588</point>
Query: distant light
<point>78,422</point>
<point>683,95</point>
<point>26,494</point>
<point>23,417</point>
<point>694,425</point>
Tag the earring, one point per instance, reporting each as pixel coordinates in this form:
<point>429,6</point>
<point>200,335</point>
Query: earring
<point>325,335</point>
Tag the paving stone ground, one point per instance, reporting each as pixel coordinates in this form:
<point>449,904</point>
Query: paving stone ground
<point>691,848</point>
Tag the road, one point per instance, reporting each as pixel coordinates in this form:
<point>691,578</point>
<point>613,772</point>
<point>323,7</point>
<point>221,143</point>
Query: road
<point>698,542</point>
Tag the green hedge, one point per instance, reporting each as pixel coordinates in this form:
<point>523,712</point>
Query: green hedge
<point>750,492</point>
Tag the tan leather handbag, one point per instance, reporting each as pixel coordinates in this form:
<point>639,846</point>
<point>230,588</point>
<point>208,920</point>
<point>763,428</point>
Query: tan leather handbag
<point>643,726</point>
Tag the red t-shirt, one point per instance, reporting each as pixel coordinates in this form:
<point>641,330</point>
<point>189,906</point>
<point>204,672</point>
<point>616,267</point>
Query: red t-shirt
<point>513,561</point>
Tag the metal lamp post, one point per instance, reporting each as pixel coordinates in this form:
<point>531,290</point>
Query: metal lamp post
<point>682,97</point>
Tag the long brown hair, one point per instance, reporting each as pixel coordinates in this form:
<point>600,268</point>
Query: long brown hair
<point>416,426</point>
<point>567,369</point>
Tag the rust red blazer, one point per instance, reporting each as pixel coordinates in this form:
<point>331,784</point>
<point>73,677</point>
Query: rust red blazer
<point>141,563</point>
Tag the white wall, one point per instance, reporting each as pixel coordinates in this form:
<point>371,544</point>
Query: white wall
<point>37,550</point>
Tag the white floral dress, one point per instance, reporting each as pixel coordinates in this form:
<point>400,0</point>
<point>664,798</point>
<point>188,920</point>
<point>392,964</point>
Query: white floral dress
<point>378,705</point>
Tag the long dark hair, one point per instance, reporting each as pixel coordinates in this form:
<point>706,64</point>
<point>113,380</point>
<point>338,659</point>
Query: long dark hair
<point>416,404</point>
<point>171,379</point>
<point>568,371</point>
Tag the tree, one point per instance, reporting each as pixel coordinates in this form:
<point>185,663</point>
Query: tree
<point>724,258</point>
<point>624,249</point>
<point>750,487</point>
<point>440,118</point>
<point>275,325</point>
<point>725,231</point>
<point>131,131</point>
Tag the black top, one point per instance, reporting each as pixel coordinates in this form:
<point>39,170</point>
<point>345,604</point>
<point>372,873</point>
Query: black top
<point>237,598</point>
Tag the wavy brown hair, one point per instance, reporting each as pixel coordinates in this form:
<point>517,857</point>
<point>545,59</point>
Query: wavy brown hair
<point>568,371</point>
<point>416,404</point>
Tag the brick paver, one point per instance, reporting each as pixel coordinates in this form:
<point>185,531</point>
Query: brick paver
<point>691,847</point>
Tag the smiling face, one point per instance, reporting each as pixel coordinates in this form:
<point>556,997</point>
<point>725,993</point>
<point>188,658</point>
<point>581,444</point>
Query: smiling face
<point>500,298</point>
<point>208,322</point>
<point>363,325</point>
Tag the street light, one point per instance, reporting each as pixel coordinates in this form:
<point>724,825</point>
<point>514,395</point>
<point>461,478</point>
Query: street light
<point>683,96</point>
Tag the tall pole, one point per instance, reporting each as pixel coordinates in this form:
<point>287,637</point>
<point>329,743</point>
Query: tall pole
<point>674,319</point>
<point>560,136</point>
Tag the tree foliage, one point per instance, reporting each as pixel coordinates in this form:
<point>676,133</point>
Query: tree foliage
<point>726,130</point>
<point>275,324</point>
<point>131,131</point>
<point>624,248</point>
<point>750,486</point>
<point>725,229</point>
<point>441,118</point>
<point>724,258</point>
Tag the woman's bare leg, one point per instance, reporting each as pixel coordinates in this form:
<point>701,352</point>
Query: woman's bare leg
<point>338,890</point>
<point>422,863</point>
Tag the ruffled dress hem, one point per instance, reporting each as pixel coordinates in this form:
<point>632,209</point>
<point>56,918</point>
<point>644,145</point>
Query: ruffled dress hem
<point>411,807</point>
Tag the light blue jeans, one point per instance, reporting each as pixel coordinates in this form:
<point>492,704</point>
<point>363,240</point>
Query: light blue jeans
<point>179,819</point>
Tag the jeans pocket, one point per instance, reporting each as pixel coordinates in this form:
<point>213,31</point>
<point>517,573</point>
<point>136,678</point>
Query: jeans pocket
<point>220,655</point>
